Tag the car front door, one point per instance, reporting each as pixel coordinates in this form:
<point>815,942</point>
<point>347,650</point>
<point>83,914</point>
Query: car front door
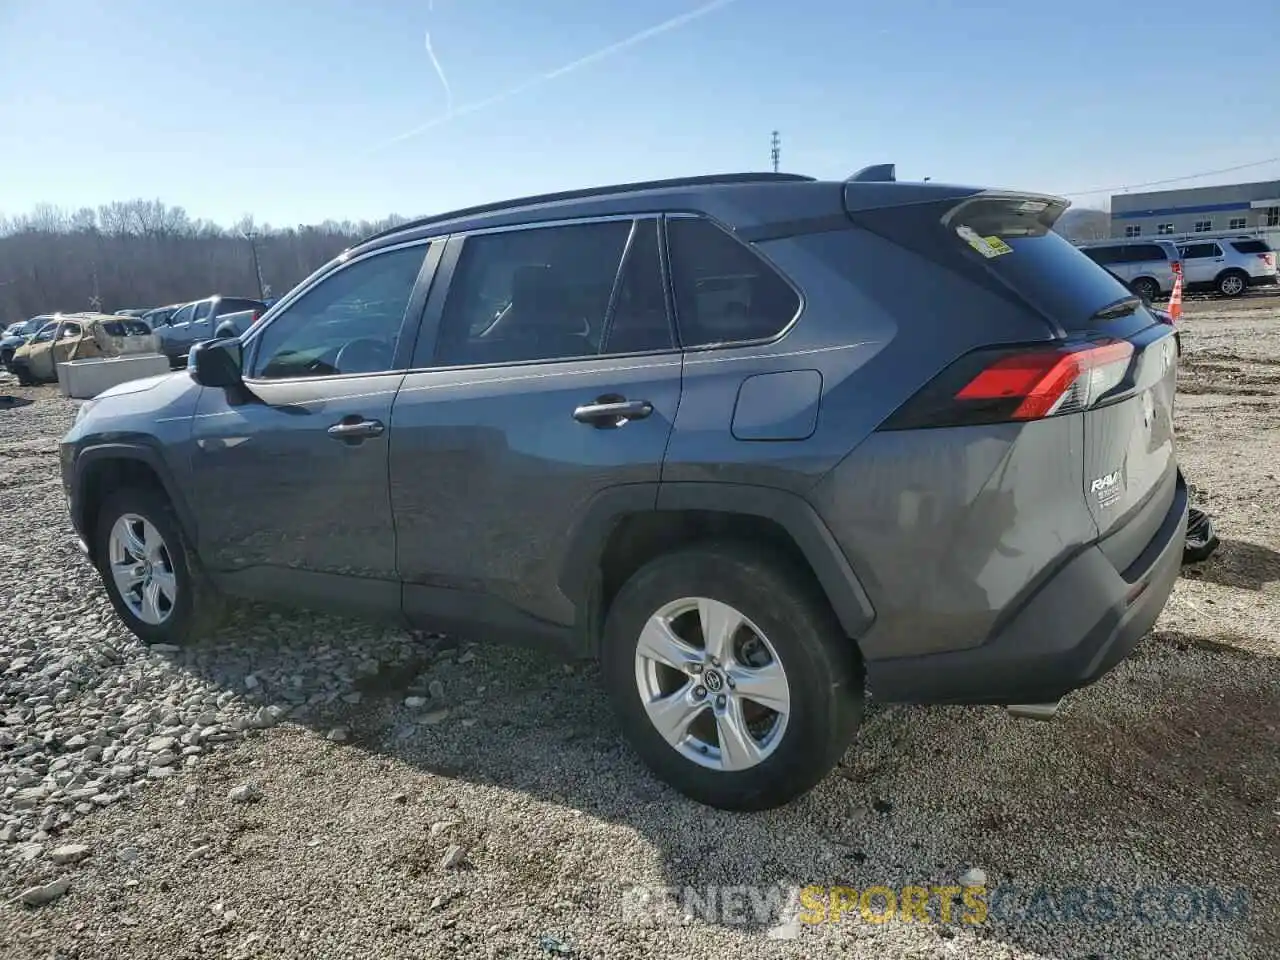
<point>290,472</point>
<point>545,381</point>
<point>174,335</point>
<point>1200,262</point>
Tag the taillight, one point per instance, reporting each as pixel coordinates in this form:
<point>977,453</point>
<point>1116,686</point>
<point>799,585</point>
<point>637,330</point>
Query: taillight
<point>1020,384</point>
<point>1268,258</point>
<point>1177,266</point>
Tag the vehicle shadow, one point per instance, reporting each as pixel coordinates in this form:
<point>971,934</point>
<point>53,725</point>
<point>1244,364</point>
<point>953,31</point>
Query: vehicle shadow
<point>1237,563</point>
<point>1147,781</point>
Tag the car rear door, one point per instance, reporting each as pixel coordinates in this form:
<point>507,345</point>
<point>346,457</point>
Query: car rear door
<point>290,472</point>
<point>545,380</point>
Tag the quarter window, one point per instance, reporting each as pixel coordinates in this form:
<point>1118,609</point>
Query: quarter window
<point>349,322</point>
<point>541,293</point>
<point>723,291</point>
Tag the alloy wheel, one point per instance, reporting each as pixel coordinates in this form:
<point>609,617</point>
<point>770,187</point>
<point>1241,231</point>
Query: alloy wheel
<point>712,684</point>
<point>142,568</point>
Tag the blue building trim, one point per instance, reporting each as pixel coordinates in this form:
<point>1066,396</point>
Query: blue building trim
<point>1176,211</point>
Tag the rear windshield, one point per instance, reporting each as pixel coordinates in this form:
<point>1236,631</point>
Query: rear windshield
<point>237,305</point>
<point>126,328</point>
<point>1251,246</point>
<point>1015,241</point>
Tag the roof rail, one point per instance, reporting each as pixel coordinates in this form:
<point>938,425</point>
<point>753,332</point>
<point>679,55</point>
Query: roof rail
<point>714,179</point>
<point>876,173</point>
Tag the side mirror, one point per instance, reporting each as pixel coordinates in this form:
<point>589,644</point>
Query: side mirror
<point>216,363</point>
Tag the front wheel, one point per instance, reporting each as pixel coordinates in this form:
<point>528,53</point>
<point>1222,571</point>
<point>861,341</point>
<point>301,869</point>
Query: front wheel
<point>731,676</point>
<point>151,577</point>
<point>1233,283</point>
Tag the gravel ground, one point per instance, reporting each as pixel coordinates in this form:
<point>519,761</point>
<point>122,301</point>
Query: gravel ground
<point>304,786</point>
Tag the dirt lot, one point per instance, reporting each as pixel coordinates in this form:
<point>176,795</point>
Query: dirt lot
<point>1161,783</point>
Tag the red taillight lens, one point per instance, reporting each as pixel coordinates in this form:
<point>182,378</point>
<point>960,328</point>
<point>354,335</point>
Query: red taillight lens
<point>1268,258</point>
<point>1017,384</point>
<point>1043,381</point>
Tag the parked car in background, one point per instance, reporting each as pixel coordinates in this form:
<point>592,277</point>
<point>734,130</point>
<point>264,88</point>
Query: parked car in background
<point>1146,267</point>
<point>159,316</point>
<point>197,321</point>
<point>16,334</point>
<point>1229,265</point>
<point>135,314</point>
<point>760,443</point>
<point>79,336</point>
<point>235,324</point>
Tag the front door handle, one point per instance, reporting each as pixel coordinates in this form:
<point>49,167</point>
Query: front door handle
<point>356,428</point>
<point>612,411</point>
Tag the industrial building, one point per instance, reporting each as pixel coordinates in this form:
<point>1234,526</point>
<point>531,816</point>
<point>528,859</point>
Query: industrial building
<point>1233,209</point>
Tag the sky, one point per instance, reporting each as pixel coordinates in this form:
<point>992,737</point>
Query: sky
<point>298,111</point>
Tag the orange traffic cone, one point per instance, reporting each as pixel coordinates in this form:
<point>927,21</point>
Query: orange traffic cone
<point>1175,298</point>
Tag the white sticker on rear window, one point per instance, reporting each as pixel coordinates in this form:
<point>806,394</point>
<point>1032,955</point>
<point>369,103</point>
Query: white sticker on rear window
<point>989,247</point>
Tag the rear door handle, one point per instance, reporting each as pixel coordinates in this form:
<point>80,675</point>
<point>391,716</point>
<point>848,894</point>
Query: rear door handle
<point>355,428</point>
<point>612,411</point>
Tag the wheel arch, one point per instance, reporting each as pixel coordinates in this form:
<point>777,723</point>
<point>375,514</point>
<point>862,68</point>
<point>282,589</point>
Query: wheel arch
<point>102,468</point>
<point>626,526</point>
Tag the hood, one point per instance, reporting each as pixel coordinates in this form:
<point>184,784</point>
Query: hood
<point>143,385</point>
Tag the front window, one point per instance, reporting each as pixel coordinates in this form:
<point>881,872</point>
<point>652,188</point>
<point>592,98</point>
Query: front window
<point>349,322</point>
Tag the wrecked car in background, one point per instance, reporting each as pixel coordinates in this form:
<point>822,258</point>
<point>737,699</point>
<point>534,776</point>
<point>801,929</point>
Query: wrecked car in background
<point>80,336</point>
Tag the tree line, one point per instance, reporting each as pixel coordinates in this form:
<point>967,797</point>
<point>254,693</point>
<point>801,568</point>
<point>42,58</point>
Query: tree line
<point>145,253</point>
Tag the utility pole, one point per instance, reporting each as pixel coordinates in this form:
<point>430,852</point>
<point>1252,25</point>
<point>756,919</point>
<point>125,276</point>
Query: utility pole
<point>252,237</point>
<point>775,150</point>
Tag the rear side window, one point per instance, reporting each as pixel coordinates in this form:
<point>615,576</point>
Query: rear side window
<point>723,291</point>
<point>540,293</point>
<point>1200,251</point>
<point>125,328</point>
<point>236,305</point>
<point>1251,246</point>
<point>1103,255</point>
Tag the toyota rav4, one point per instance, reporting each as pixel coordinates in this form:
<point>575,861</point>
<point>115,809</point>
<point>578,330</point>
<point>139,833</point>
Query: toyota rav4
<point>760,443</point>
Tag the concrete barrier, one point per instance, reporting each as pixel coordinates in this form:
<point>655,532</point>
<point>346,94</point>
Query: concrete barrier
<point>84,379</point>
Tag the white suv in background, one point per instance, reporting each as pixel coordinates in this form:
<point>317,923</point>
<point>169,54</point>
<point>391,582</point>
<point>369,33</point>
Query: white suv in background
<point>1230,265</point>
<point>1146,266</point>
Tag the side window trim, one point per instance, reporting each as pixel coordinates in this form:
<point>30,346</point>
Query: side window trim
<point>727,344</point>
<point>426,359</point>
<point>606,326</point>
<point>412,312</point>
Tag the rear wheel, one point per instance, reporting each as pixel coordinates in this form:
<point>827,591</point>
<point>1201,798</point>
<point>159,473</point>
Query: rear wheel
<point>152,578</point>
<point>731,676</point>
<point>1233,283</point>
<point>1146,288</point>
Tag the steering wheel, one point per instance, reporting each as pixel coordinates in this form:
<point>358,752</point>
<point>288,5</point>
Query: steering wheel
<point>364,355</point>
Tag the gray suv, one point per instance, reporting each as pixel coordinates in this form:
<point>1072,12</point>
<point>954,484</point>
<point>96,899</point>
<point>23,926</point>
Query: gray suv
<point>1146,266</point>
<point>1229,265</point>
<point>760,443</point>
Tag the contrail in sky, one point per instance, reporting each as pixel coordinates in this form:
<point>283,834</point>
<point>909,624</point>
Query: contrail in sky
<point>666,26</point>
<point>444,81</point>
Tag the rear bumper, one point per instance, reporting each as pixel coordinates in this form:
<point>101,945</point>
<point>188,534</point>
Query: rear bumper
<point>1081,623</point>
<point>1266,280</point>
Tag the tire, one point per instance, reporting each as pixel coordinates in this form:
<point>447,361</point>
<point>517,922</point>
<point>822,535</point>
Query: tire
<point>23,373</point>
<point>822,668</point>
<point>1233,283</point>
<point>1146,288</point>
<point>195,608</point>
<point>6,359</point>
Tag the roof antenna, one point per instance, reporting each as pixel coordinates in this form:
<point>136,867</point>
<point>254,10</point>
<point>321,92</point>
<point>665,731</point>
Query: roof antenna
<point>876,173</point>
